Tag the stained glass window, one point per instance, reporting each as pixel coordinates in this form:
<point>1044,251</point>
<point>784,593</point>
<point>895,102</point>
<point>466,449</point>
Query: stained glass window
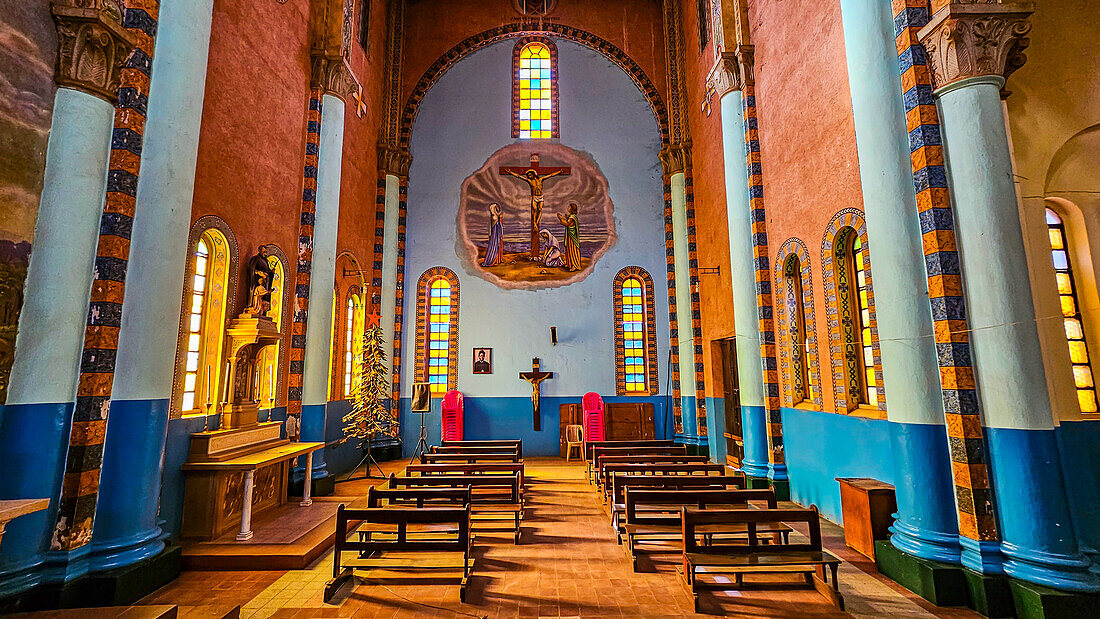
<point>439,334</point>
<point>349,337</point>
<point>633,319</point>
<point>863,316</point>
<point>799,318</point>
<point>194,326</point>
<point>1071,313</point>
<point>535,84</point>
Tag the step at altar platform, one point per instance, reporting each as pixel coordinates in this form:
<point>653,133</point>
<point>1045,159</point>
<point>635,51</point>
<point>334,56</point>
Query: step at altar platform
<point>285,537</point>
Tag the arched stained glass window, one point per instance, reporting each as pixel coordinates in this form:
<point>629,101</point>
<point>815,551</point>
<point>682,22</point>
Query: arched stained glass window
<point>1071,313</point>
<point>798,333</point>
<point>635,333</point>
<point>439,334</point>
<point>535,89</point>
<point>349,348</point>
<point>195,325</point>
<point>437,329</point>
<point>863,316</point>
<point>199,368</point>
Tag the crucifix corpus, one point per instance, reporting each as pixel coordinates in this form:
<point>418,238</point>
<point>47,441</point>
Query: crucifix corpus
<point>535,377</point>
<point>534,175</point>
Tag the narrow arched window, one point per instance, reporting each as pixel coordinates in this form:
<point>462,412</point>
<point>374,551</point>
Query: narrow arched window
<point>863,315</point>
<point>269,358</point>
<point>349,337</point>
<point>439,334</point>
<point>534,89</point>
<point>1071,313</point>
<point>635,333</point>
<point>203,324</point>
<point>853,297</point>
<point>798,332</point>
<point>437,329</point>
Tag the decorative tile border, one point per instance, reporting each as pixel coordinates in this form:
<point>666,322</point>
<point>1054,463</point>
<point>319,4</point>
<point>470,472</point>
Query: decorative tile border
<point>790,250</point>
<point>399,302</point>
<point>673,322</point>
<point>305,254</point>
<point>80,487</point>
<point>555,109</point>
<point>422,286</point>
<point>653,386</point>
<point>974,498</point>
<point>763,277</point>
<point>696,312</point>
<point>515,30</point>
<point>839,312</point>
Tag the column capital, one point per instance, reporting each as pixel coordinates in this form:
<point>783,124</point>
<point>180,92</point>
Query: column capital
<point>675,158</point>
<point>394,160</point>
<point>333,76</point>
<point>92,46</point>
<point>967,38</point>
<point>724,76</point>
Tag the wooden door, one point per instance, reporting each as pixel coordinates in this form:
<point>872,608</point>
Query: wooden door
<point>569,414</point>
<point>735,445</point>
<point>628,421</point>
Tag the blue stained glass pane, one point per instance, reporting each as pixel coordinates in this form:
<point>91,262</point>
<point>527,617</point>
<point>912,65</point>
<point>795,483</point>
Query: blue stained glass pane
<point>535,84</point>
<point>546,74</point>
<point>1060,261</point>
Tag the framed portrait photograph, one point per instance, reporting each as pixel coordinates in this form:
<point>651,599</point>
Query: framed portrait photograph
<point>483,361</point>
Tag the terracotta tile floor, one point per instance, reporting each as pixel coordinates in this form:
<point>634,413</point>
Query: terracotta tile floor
<point>568,565</point>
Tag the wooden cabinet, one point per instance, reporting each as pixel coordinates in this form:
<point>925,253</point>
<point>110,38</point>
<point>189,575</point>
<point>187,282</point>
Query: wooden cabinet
<point>868,506</point>
<point>622,421</point>
<point>569,414</point>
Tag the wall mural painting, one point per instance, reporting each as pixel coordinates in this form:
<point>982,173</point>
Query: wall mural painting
<point>28,49</point>
<point>535,216</point>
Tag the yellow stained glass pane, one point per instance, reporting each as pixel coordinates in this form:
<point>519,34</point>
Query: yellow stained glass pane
<point>1056,240</point>
<point>1073,329</point>
<point>1065,283</point>
<point>1086,398</point>
<point>1069,308</point>
<point>525,125</point>
<point>1078,353</point>
<point>525,84</point>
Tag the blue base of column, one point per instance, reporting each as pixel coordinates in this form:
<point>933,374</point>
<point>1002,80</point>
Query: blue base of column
<point>126,529</point>
<point>313,430</point>
<point>33,441</point>
<point>716,429</point>
<point>1038,541</point>
<point>754,427</point>
<point>927,526</point>
<point>981,557</point>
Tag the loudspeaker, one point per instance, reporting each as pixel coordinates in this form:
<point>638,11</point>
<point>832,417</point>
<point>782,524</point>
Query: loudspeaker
<point>554,336</point>
<point>421,398</point>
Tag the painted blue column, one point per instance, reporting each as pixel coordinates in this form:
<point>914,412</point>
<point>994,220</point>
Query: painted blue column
<point>35,422</point>
<point>750,365</point>
<point>315,372</point>
<point>926,525</point>
<point>389,267</point>
<point>686,348</point>
<point>126,529</point>
<point>1038,543</point>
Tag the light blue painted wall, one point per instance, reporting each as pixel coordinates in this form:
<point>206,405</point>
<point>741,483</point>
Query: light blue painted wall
<point>463,120</point>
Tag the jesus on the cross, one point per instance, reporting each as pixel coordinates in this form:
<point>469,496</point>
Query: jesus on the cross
<point>534,176</point>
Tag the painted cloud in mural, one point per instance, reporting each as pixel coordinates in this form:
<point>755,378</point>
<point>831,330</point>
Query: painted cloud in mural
<point>562,190</point>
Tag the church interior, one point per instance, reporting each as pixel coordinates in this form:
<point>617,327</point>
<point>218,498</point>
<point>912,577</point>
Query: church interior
<point>549,308</point>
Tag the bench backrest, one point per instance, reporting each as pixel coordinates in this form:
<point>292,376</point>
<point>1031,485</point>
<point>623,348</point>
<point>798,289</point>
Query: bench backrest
<point>600,454</point>
<point>514,442</point>
<point>475,449</point>
<point>465,468</point>
<point>508,483</point>
<point>429,458</point>
<point>620,482</point>
<point>589,445</point>
<point>401,517</point>
<point>659,468</point>
<point>417,497</point>
<point>690,497</point>
<point>692,518</point>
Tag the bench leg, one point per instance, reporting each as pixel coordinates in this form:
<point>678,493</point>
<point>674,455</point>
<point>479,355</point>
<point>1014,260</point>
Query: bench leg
<point>332,586</point>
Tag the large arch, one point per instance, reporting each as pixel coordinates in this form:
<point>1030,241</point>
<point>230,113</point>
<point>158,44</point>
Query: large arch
<point>515,31</point>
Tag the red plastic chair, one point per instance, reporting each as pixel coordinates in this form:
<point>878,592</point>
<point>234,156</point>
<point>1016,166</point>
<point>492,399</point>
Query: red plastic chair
<point>592,405</point>
<point>452,429</point>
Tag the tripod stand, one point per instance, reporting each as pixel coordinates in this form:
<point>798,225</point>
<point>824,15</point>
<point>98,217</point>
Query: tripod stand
<point>422,442</point>
<point>369,461</point>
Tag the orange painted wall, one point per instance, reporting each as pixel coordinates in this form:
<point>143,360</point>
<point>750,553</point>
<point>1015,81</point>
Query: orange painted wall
<point>807,134</point>
<point>434,26</point>
<point>252,144</point>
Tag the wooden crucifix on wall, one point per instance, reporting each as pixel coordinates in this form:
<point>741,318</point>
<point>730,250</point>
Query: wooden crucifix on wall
<point>534,175</point>
<point>535,377</point>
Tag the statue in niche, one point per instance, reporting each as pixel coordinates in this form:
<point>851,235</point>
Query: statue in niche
<point>572,238</point>
<point>260,278</point>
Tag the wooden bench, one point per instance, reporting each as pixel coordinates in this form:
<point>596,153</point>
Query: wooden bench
<point>475,449</point>
<point>605,452</point>
<point>705,564</point>
<point>418,497</point>
<point>620,482</point>
<point>494,499</point>
<point>653,525</point>
<point>470,468</point>
<point>605,460</point>
<point>659,468</point>
<point>589,446</point>
<point>408,539</point>
<point>517,444</point>
<point>443,457</point>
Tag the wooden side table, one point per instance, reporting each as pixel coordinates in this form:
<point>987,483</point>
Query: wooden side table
<point>868,506</point>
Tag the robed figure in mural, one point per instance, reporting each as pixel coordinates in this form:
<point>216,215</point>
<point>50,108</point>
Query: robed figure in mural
<point>494,253</point>
<point>572,238</point>
<point>551,253</point>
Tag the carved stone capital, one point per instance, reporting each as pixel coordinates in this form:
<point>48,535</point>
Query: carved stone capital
<point>746,58</point>
<point>92,46</point>
<point>333,76</point>
<point>725,76</point>
<point>675,158</point>
<point>973,39</point>
<point>394,160</point>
